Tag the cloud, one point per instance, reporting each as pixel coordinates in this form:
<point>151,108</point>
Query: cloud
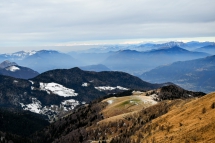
<point>44,22</point>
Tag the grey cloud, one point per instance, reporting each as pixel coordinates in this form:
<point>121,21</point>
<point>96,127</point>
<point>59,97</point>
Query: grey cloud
<point>53,21</point>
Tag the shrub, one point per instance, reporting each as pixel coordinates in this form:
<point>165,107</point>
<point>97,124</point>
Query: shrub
<point>203,110</point>
<point>213,105</point>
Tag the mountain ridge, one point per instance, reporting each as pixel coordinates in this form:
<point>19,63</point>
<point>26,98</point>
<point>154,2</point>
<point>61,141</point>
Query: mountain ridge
<point>55,92</point>
<point>194,74</point>
<point>135,62</point>
<point>7,63</point>
<point>207,49</point>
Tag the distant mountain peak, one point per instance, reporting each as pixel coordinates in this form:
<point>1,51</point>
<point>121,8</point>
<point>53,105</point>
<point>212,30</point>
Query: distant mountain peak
<point>7,63</point>
<point>172,44</point>
<point>14,70</point>
<point>48,51</point>
<point>24,53</point>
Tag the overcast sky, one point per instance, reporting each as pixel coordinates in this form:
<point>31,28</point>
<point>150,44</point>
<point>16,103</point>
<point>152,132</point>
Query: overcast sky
<point>32,23</point>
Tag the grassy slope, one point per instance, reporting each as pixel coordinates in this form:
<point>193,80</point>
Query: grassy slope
<point>179,120</point>
<point>192,122</point>
<point>126,105</point>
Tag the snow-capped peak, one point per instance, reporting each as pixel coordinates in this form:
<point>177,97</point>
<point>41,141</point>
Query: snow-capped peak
<point>24,53</point>
<point>21,54</point>
<point>172,44</point>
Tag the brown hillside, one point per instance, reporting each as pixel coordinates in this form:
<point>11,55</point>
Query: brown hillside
<point>135,119</point>
<point>191,122</point>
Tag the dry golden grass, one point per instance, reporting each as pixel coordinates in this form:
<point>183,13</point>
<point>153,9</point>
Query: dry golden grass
<point>183,121</point>
<point>193,121</point>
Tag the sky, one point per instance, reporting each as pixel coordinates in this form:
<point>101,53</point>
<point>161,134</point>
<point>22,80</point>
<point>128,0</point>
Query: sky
<point>68,24</point>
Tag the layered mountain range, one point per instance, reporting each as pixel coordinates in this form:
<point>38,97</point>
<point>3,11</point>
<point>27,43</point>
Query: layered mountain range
<point>138,58</point>
<point>134,60</point>
<point>137,62</point>
<point>96,103</point>
<point>210,49</point>
<point>43,60</point>
<point>192,45</point>
<point>194,74</point>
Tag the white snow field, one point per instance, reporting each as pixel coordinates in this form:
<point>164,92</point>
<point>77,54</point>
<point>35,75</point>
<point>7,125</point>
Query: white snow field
<point>12,68</point>
<point>57,89</point>
<point>104,88</point>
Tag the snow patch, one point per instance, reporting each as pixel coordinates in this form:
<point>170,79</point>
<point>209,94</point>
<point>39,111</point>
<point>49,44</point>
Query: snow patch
<point>51,110</point>
<point>35,106</point>
<point>32,53</point>
<point>110,101</point>
<point>154,96</point>
<point>137,92</point>
<point>71,102</point>
<point>57,89</point>
<point>150,99</point>
<point>12,68</point>
<point>85,84</point>
<point>121,88</point>
<point>103,88</point>
<point>31,81</point>
<point>23,54</point>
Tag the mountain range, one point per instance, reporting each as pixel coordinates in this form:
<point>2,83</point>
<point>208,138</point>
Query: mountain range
<point>192,45</point>
<point>135,62</point>
<point>97,102</point>
<point>139,57</point>
<point>207,49</point>
<point>43,60</point>
<point>193,75</point>
<point>17,55</point>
